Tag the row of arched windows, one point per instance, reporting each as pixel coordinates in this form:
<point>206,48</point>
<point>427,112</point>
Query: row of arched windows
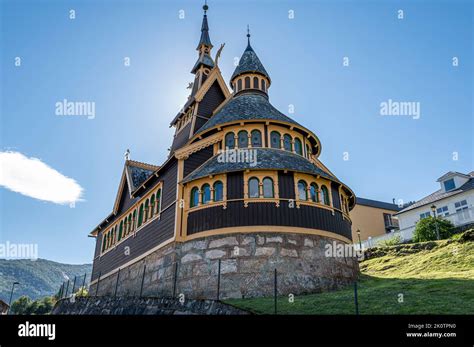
<point>254,139</point>
<point>134,220</point>
<point>248,82</point>
<point>207,194</point>
<point>257,189</point>
<point>243,139</point>
<point>312,193</point>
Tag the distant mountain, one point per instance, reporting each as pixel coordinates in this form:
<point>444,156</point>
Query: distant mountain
<point>38,278</point>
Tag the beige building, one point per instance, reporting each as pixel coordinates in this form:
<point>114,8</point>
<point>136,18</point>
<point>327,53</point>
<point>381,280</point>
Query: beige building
<point>373,218</point>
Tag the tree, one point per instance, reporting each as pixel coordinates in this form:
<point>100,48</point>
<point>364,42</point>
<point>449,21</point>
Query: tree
<point>426,229</point>
<point>21,305</point>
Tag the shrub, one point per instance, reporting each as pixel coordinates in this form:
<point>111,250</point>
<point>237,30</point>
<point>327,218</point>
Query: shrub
<point>390,242</point>
<point>426,229</point>
<point>82,292</point>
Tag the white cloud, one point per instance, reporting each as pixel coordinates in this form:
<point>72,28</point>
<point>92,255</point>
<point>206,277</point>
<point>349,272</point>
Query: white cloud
<point>33,178</point>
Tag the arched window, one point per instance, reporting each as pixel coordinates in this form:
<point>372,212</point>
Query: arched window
<point>152,205</point>
<point>230,140</point>
<point>158,201</point>
<point>104,242</point>
<point>140,216</point>
<point>275,139</point>
<point>313,191</point>
<point>218,191</point>
<point>247,82</point>
<point>256,136</point>
<point>298,147</point>
<point>206,193</point>
<point>302,192</point>
<point>239,85</point>
<point>129,226</point>
<point>120,231</point>
<point>194,197</point>
<point>287,142</point>
<point>253,188</point>
<point>243,137</point>
<point>268,187</point>
<point>147,208</point>
<point>255,83</point>
<point>263,85</point>
<point>325,195</point>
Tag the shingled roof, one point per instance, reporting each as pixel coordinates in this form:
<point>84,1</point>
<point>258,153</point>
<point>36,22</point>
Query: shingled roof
<point>441,194</point>
<point>246,106</point>
<point>248,63</point>
<point>266,158</point>
<point>137,173</point>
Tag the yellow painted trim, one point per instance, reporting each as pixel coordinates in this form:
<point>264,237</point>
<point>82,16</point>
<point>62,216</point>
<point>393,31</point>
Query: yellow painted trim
<point>266,228</point>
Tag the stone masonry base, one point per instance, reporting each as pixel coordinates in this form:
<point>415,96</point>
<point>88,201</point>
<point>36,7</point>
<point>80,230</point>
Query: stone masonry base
<point>247,265</point>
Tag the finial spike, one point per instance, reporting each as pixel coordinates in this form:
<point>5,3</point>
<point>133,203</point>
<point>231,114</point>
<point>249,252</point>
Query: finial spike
<point>205,7</point>
<point>248,34</point>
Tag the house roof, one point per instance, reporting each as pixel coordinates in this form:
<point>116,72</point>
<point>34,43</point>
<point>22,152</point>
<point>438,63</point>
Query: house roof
<point>266,158</point>
<point>377,204</point>
<point>249,63</point>
<point>440,195</point>
<point>204,59</point>
<point>452,174</point>
<point>248,106</point>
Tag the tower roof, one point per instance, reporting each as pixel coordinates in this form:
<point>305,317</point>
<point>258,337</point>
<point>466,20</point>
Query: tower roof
<point>249,106</point>
<point>205,39</point>
<point>249,63</point>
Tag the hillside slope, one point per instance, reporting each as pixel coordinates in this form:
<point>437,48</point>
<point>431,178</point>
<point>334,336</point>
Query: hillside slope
<point>408,279</point>
<point>37,278</point>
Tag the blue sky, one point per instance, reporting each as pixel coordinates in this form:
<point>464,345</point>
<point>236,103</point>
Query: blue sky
<point>83,60</point>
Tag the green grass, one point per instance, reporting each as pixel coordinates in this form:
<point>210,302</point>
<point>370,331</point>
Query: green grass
<point>436,281</point>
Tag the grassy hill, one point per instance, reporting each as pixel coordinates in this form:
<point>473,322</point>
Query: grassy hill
<point>426,278</point>
<point>37,278</point>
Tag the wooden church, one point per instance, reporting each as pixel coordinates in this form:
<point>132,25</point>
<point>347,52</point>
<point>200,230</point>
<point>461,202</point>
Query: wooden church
<point>242,191</point>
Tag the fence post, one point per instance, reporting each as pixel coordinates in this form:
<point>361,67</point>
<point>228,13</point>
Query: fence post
<point>73,285</point>
<point>218,278</point>
<point>60,293</point>
<point>275,292</point>
<point>356,302</point>
<point>116,283</point>
<point>67,288</point>
<point>143,278</point>
<point>98,281</point>
<point>175,278</point>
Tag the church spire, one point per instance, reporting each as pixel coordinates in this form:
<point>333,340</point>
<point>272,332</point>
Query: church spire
<point>205,41</point>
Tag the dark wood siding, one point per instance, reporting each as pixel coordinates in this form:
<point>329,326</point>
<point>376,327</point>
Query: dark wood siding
<point>267,214</point>
<point>197,159</point>
<point>213,98</point>
<point>125,201</point>
<point>149,236</point>
<point>181,138</point>
<point>235,185</point>
<point>286,185</point>
<point>336,200</point>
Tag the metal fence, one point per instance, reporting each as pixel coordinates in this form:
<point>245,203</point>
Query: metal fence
<point>459,219</point>
<point>271,280</point>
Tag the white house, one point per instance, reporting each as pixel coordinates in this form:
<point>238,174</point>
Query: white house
<point>454,201</point>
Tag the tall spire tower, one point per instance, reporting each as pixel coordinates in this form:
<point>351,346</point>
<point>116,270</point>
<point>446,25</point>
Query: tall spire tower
<point>204,63</point>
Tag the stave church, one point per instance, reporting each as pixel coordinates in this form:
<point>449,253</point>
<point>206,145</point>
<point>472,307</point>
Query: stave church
<point>241,199</point>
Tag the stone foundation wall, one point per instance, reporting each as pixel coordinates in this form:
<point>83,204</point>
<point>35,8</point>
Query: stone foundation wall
<point>247,264</point>
<point>142,306</point>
